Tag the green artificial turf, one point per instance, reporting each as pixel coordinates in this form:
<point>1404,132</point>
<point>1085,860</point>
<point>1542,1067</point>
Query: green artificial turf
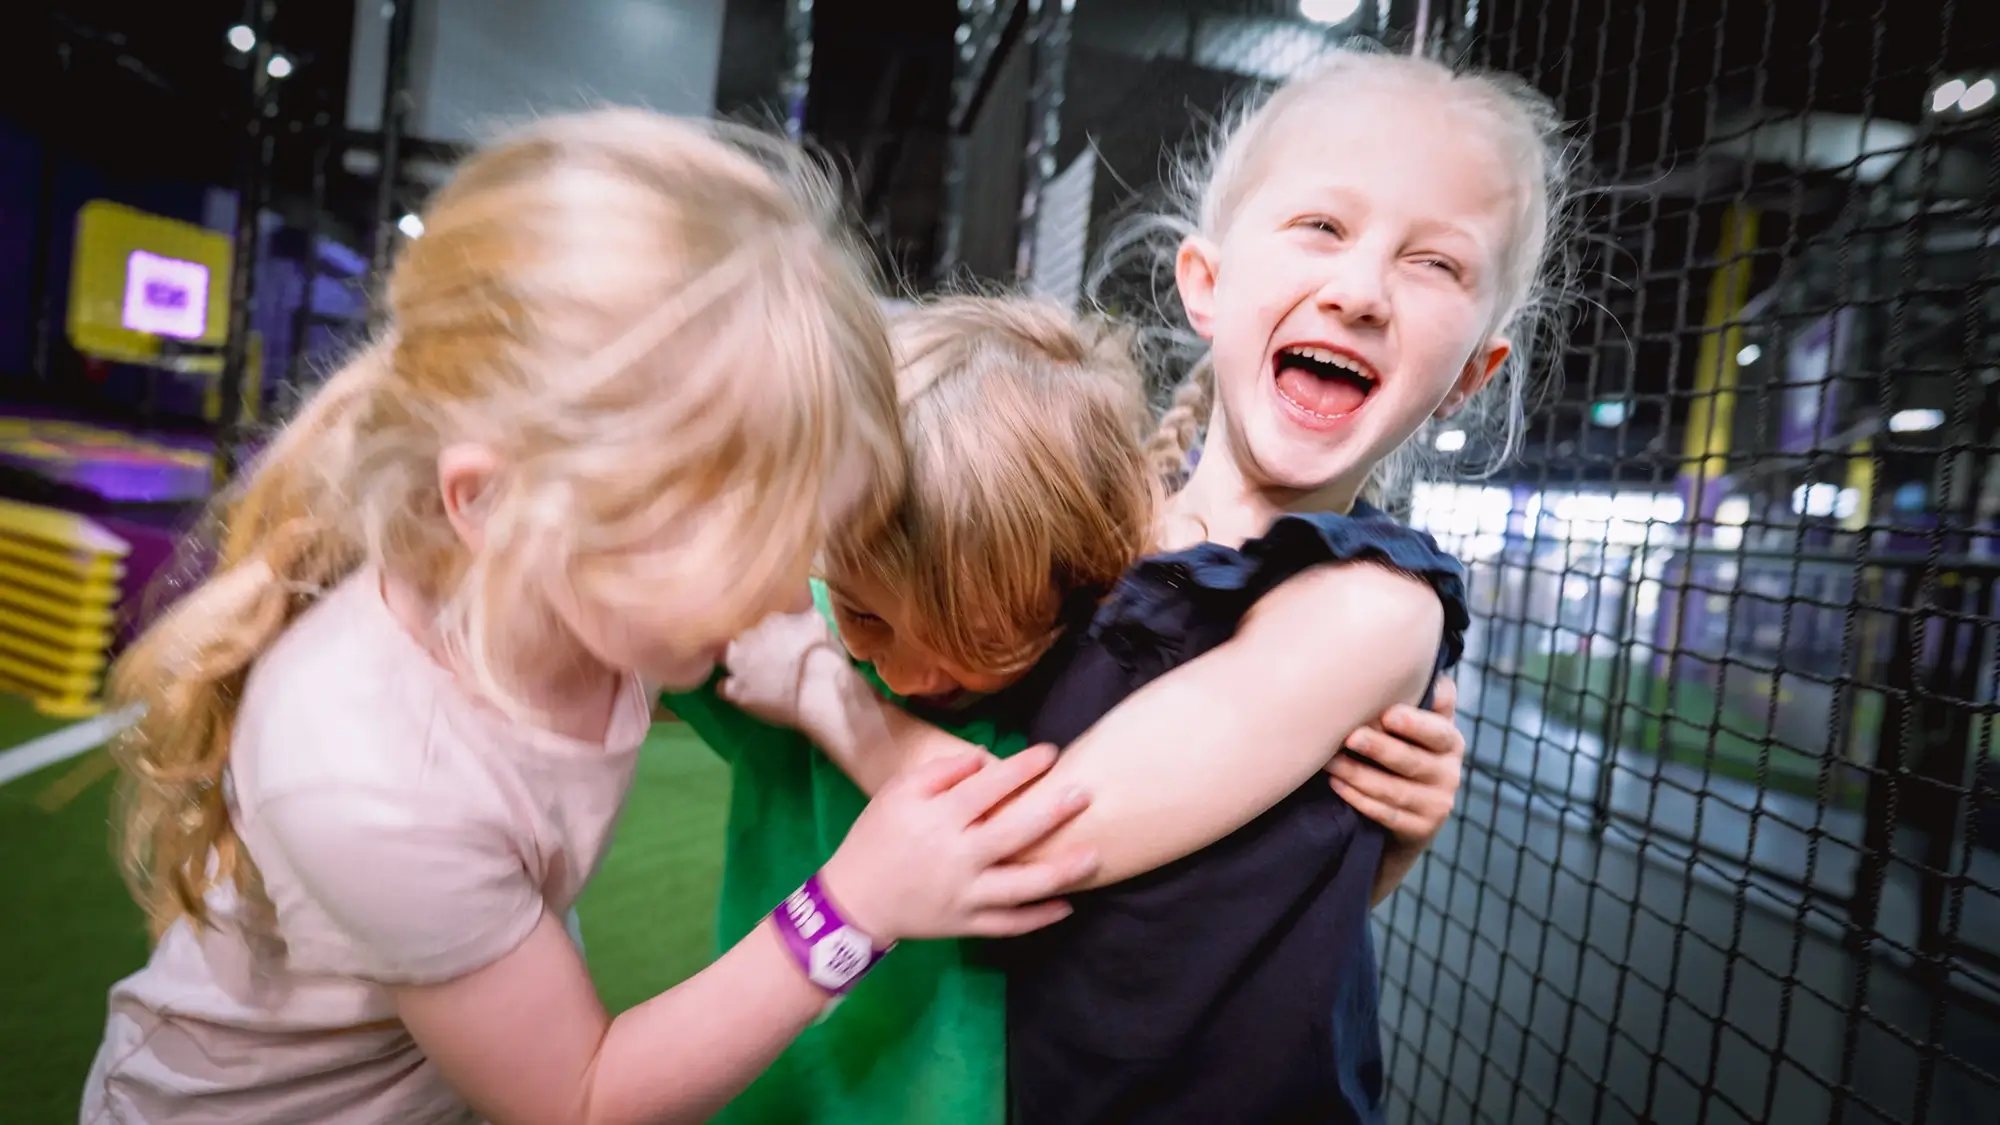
<point>70,932</point>
<point>1688,723</point>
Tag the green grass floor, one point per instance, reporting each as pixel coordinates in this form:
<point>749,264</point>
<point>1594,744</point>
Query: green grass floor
<point>70,931</point>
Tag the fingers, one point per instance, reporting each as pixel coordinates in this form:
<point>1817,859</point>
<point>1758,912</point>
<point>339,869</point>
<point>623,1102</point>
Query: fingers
<point>1026,822</point>
<point>976,796</point>
<point>1382,785</point>
<point>1381,812</point>
<point>1428,730</point>
<point>734,688</point>
<point>945,773</point>
<point>1393,755</point>
<point>1017,920</point>
<point>1009,885</point>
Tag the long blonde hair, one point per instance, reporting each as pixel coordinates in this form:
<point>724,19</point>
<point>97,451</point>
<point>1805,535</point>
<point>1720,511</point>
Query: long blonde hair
<point>1023,426</point>
<point>641,317</point>
<point>1535,271</point>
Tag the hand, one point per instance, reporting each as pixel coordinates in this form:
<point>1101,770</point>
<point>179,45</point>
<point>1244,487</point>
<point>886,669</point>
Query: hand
<point>1418,761</point>
<point>779,664</point>
<point>931,855</point>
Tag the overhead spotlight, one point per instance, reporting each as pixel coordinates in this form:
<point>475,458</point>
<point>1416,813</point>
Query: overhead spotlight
<point>411,226</point>
<point>1329,11</point>
<point>1750,354</point>
<point>242,38</point>
<point>279,67</point>
<point>1977,95</point>
<point>1451,441</point>
<point>1947,94</point>
<point>1915,421</point>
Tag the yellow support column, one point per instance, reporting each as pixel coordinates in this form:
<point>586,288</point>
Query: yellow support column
<point>1712,413</point>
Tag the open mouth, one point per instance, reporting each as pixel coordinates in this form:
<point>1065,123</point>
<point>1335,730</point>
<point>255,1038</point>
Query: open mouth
<point>1322,383</point>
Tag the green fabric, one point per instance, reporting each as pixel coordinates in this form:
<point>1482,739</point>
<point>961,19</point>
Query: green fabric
<point>922,1039</point>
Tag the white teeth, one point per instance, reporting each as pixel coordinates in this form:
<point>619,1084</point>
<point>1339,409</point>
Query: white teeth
<point>1331,358</point>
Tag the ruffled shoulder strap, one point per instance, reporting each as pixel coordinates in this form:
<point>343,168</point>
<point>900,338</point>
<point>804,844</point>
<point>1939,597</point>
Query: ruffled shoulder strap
<point>1297,542</point>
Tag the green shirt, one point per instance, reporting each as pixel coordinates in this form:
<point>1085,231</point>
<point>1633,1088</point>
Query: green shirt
<point>922,1039</point>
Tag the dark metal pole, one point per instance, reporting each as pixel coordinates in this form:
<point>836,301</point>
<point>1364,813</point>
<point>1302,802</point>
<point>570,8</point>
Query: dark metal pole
<point>1048,39</point>
<point>41,300</point>
<point>797,84</point>
<point>395,118</point>
<point>255,161</point>
<point>306,315</point>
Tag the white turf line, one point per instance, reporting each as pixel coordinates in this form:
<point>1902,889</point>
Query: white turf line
<point>62,745</point>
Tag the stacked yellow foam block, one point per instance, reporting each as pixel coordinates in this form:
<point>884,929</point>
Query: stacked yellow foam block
<point>59,600</point>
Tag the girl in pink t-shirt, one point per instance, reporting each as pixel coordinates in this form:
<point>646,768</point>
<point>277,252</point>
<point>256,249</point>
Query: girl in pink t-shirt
<point>630,373</point>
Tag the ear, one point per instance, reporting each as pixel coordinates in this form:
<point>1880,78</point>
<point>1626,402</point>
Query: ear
<point>465,477</point>
<point>1479,371</point>
<point>1194,274</point>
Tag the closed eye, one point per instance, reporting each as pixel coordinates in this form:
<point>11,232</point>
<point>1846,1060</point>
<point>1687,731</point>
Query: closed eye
<point>857,617</point>
<point>1445,264</point>
<point>1320,224</point>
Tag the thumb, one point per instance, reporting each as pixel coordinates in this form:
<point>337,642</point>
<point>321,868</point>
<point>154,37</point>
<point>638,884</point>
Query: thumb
<point>1445,700</point>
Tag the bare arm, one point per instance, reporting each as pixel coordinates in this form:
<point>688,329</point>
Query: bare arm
<point>526,1040</point>
<point>1205,749</point>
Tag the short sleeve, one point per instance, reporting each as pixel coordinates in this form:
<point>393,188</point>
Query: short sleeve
<point>369,883</point>
<point>1371,536</point>
<point>1229,580</point>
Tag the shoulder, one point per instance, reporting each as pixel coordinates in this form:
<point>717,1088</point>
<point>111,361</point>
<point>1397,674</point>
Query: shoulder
<point>1366,596</point>
<point>1406,570</point>
<point>345,699</point>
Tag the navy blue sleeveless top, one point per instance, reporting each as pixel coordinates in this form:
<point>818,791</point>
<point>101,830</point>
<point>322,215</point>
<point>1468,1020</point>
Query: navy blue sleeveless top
<point>1237,984</point>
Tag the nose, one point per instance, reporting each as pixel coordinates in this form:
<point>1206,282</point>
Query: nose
<point>1355,291</point>
<point>914,678</point>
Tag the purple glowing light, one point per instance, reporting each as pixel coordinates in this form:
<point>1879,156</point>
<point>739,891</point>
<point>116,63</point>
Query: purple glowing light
<point>166,296</point>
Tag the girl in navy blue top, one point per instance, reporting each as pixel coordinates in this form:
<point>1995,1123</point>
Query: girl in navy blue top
<point>1238,983</point>
<point>1364,257</point>
<point>1364,250</point>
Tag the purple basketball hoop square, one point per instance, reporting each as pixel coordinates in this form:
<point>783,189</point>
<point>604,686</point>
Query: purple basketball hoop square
<point>166,296</point>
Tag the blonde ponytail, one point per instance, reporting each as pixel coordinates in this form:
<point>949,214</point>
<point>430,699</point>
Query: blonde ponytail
<point>280,539</point>
<point>1181,424</point>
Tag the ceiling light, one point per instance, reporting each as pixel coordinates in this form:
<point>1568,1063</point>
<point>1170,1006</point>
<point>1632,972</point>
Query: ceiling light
<point>1610,412</point>
<point>1329,11</point>
<point>1451,441</point>
<point>279,67</point>
<point>1915,421</point>
<point>242,38</point>
<point>411,226</point>
<point>1977,95</point>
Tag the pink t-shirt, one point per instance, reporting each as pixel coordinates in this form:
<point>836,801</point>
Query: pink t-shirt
<point>406,833</point>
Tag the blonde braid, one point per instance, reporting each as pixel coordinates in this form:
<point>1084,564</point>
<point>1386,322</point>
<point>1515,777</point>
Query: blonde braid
<point>1181,425</point>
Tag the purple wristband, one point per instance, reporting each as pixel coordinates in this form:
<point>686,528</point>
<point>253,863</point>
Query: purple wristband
<point>832,951</point>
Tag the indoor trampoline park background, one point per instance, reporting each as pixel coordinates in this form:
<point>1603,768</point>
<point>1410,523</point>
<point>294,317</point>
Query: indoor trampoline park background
<point>1729,845</point>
